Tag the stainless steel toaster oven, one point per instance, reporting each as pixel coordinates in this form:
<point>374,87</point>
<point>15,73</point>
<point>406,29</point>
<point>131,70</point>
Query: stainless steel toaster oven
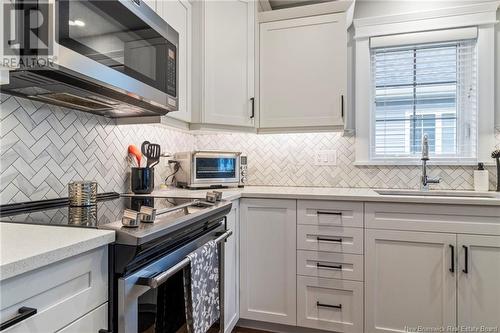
<point>208,169</point>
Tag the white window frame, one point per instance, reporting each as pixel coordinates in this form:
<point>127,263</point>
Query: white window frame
<point>482,16</point>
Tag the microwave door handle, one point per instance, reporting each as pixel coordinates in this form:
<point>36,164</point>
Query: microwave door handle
<point>154,282</point>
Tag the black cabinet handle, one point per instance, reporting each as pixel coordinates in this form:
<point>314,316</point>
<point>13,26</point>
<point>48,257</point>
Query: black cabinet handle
<point>252,100</point>
<point>328,266</point>
<point>466,264</point>
<point>328,213</point>
<point>452,262</point>
<point>339,306</point>
<point>335,240</point>
<point>342,105</point>
<point>23,313</point>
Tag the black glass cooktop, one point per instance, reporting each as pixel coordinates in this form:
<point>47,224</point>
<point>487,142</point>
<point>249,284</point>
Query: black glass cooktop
<point>109,209</point>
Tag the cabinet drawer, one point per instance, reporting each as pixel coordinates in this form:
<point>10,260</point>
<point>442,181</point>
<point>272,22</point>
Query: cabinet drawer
<point>330,239</point>
<point>61,292</point>
<point>465,219</point>
<point>92,322</point>
<point>330,304</point>
<point>332,213</point>
<point>330,265</point>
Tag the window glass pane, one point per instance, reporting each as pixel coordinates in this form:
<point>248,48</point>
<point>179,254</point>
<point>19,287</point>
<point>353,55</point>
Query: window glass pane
<point>424,90</point>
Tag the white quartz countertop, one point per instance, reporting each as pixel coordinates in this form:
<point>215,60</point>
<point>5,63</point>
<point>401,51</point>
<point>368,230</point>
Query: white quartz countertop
<point>25,247</point>
<point>326,193</point>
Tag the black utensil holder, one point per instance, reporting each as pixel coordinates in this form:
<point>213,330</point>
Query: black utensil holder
<point>143,180</point>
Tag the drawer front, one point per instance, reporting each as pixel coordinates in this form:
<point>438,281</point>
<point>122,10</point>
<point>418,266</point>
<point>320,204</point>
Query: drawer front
<point>330,304</point>
<point>330,239</point>
<point>331,213</point>
<point>61,292</point>
<point>330,265</point>
<point>466,219</point>
<point>92,322</point>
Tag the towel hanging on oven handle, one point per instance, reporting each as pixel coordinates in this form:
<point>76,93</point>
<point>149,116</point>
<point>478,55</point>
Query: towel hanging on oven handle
<point>154,282</point>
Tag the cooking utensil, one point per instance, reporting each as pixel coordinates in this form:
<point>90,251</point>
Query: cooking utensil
<point>144,150</point>
<point>144,147</point>
<point>132,149</point>
<point>153,154</point>
<point>132,160</point>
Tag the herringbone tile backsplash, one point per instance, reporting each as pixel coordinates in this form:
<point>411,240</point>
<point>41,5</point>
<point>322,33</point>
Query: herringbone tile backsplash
<point>43,147</point>
<point>286,160</point>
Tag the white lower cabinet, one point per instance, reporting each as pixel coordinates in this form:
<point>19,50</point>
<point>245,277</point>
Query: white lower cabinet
<point>92,322</point>
<point>62,293</point>
<point>231,271</point>
<point>479,281</point>
<point>330,304</point>
<point>268,260</point>
<point>410,280</point>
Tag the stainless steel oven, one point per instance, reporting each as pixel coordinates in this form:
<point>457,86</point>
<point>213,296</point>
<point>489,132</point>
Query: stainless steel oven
<point>111,57</point>
<point>152,298</point>
<point>208,169</point>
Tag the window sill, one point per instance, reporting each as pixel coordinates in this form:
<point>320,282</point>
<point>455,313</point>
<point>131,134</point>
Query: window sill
<point>403,162</point>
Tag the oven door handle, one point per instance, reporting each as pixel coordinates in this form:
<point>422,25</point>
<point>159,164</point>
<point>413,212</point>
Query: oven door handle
<point>154,282</point>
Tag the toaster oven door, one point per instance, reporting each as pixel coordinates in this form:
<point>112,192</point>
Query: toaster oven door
<point>216,169</point>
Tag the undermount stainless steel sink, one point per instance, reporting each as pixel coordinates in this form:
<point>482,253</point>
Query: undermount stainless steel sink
<point>437,193</point>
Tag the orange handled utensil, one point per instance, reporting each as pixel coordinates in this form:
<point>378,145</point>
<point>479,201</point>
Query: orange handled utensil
<point>132,149</point>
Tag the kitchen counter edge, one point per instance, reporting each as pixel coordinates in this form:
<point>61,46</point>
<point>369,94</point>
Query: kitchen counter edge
<point>34,246</point>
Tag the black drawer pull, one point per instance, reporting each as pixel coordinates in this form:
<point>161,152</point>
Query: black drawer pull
<point>252,100</point>
<point>328,266</point>
<point>23,313</point>
<point>466,264</point>
<point>328,305</point>
<point>335,240</point>
<point>329,213</point>
<point>342,106</point>
<point>452,263</point>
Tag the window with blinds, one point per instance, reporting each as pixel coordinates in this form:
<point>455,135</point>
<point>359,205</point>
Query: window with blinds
<point>426,88</point>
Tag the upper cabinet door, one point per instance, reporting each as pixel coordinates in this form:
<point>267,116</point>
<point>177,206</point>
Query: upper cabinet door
<point>228,62</point>
<point>479,281</point>
<point>177,13</point>
<point>303,71</point>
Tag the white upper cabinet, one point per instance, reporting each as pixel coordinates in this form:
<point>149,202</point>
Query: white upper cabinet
<point>303,71</point>
<point>177,13</point>
<point>224,64</point>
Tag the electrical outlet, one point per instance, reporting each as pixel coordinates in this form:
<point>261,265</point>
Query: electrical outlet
<point>325,157</point>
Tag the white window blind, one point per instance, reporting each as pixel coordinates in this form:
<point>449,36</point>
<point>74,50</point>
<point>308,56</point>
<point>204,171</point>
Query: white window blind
<point>424,89</point>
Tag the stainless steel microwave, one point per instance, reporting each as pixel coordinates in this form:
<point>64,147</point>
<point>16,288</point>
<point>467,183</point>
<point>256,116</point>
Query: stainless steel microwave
<point>116,58</point>
<point>208,169</point>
